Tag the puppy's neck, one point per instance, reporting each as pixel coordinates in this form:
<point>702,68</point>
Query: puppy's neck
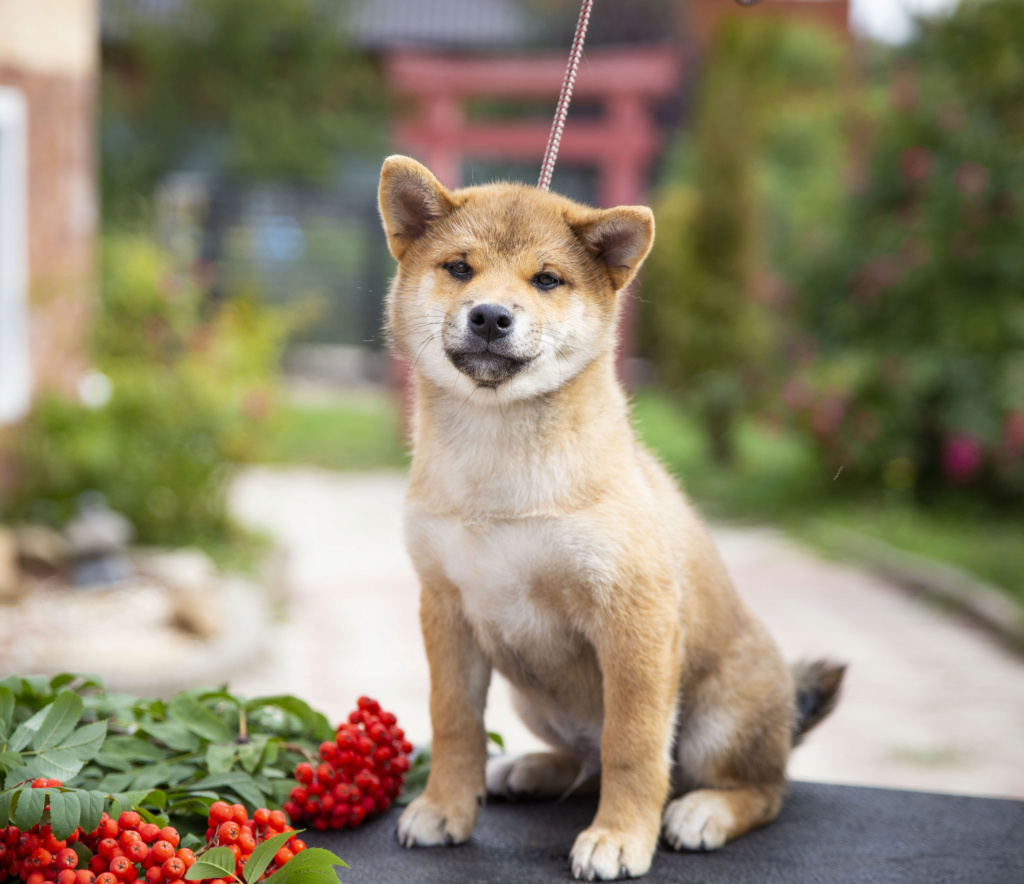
<point>493,458</point>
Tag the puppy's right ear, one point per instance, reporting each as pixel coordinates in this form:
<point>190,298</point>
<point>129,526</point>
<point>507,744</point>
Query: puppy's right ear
<point>410,199</point>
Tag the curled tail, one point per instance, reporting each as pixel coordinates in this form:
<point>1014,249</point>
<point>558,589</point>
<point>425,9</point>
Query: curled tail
<point>817,692</point>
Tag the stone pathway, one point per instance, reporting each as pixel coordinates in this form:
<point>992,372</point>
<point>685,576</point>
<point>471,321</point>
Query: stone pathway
<point>930,702</point>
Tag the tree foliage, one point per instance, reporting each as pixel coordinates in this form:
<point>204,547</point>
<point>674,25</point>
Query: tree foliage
<point>917,312</point>
<point>252,88</point>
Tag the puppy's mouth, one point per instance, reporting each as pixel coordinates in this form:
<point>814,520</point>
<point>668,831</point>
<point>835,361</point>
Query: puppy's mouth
<point>487,368</point>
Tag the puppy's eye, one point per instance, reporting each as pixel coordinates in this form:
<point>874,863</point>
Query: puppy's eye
<point>546,281</point>
<point>459,269</point>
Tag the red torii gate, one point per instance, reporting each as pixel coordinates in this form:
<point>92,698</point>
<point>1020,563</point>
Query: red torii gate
<point>621,143</point>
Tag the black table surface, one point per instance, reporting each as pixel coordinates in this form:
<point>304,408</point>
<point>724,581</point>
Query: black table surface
<point>825,835</point>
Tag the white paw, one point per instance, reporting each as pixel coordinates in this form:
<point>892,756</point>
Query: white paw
<point>526,776</point>
<point>423,824</point>
<point>698,821</point>
<point>604,855</point>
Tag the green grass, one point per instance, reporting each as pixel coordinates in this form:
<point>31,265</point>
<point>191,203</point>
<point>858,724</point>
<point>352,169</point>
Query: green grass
<point>354,432</point>
<point>777,479</point>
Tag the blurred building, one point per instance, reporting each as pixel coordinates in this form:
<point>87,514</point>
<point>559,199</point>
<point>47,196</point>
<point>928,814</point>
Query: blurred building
<point>48,65</point>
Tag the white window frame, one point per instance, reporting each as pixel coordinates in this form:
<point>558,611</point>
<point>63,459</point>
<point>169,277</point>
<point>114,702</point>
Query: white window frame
<point>15,362</point>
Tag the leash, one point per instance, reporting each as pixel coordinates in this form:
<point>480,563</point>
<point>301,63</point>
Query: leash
<point>565,96</point>
<point>547,167</point>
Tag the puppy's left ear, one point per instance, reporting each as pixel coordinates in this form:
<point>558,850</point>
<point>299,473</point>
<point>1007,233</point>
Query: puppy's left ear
<point>619,238</point>
<point>410,199</point>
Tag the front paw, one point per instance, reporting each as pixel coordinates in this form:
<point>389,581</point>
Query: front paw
<point>426,824</point>
<point>606,854</point>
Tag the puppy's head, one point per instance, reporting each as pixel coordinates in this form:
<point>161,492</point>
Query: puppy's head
<point>504,287</point>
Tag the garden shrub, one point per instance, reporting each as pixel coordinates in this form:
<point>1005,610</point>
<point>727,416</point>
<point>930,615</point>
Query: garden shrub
<point>191,386</point>
<point>914,373</point>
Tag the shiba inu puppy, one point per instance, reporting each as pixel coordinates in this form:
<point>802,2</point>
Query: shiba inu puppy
<point>553,547</point>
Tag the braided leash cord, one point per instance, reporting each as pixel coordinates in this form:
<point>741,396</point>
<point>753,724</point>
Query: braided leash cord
<point>555,138</point>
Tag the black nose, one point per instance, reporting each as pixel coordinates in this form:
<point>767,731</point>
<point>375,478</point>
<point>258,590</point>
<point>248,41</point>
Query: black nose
<point>490,321</point>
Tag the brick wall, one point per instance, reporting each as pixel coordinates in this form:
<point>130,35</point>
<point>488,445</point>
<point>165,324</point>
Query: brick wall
<point>49,51</point>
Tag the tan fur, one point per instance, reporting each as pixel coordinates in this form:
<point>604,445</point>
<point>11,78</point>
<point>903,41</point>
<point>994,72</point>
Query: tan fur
<point>554,548</point>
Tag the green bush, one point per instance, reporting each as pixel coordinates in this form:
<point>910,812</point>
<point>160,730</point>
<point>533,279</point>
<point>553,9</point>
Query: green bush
<point>914,377</point>
<point>191,388</point>
<point>746,186</point>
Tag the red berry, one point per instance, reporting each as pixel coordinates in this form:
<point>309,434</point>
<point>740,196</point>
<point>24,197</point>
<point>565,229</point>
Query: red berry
<point>85,876</point>
<point>187,857</point>
<point>129,820</point>
<point>228,832</point>
<point>122,868</point>
<point>304,772</point>
<point>173,868</point>
<point>66,859</point>
<point>154,875</point>
<point>220,812</point>
<point>296,846</point>
<point>239,814</point>
<point>326,774</point>
<point>66,876</point>
<point>98,865</point>
<point>170,834</point>
<point>129,836</point>
<point>282,856</point>
<point>261,817</point>
<point>106,878</point>
<point>278,820</point>
<point>137,852</point>
<point>161,851</point>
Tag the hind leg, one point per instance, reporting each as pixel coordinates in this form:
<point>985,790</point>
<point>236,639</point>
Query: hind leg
<point>705,819</point>
<point>732,747</point>
<point>535,775</point>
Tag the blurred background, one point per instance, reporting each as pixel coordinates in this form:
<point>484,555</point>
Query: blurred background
<point>201,431</point>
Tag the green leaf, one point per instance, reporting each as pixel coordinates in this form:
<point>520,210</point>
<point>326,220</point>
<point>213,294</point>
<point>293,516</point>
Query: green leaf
<point>86,741</point>
<point>5,807</point>
<point>148,816</point>
<point>313,860</point>
<point>160,775</point>
<point>263,855</point>
<point>26,730</point>
<point>131,749</point>
<point>216,863</point>
<point>220,757</point>
<point>237,780</point>
<point>30,808</point>
<point>495,737</point>
<point>117,782</point>
<point>65,812</point>
<point>59,764</point>
<point>197,718</point>
<point>9,760</point>
<point>63,715</point>
<point>84,853</point>
<point>251,754</point>
<point>172,735</point>
<point>19,775</point>
<point>92,809</point>
<point>6,706</point>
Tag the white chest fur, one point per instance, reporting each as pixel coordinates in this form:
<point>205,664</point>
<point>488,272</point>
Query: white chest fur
<point>499,568</point>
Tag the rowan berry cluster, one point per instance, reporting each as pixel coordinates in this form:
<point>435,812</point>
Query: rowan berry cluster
<point>230,826</point>
<point>360,772</point>
<point>127,849</point>
<point>123,850</point>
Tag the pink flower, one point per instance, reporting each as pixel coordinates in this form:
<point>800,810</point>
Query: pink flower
<point>916,164</point>
<point>972,179</point>
<point>797,394</point>
<point>827,417</point>
<point>1013,430</point>
<point>961,457</point>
